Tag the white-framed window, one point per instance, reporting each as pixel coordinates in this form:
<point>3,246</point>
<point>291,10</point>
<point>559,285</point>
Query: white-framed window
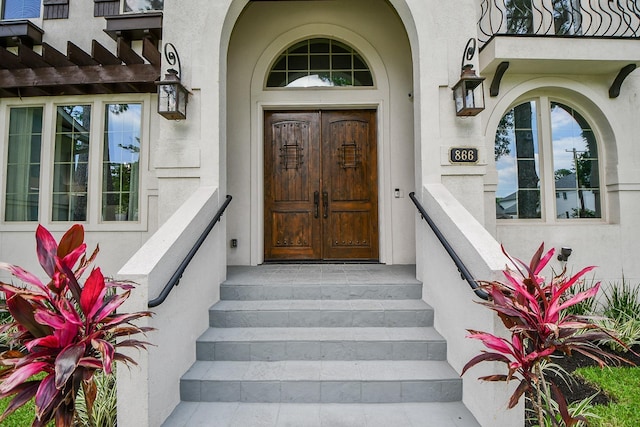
<point>20,9</point>
<point>319,62</point>
<point>74,161</point>
<point>129,6</point>
<point>547,160</point>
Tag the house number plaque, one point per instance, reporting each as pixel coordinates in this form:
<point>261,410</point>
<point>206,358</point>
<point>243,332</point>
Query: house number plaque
<point>463,155</point>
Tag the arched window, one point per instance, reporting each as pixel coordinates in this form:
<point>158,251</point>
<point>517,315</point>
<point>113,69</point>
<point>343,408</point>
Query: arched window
<point>547,160</point>
<point>319,62</point>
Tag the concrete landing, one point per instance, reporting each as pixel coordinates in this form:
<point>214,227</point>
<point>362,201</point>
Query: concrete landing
<point>432,414</point>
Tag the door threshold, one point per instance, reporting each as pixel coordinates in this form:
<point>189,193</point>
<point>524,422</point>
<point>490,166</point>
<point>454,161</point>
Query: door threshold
<point>322,261</point>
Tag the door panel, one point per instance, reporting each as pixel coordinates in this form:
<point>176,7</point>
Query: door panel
<point>292,175</point>
<point>350,178</point>
<point>320,185</point>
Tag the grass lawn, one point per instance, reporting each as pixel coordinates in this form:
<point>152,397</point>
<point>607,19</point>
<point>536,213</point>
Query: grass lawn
<point>22,417</point>
<point>623,386</point>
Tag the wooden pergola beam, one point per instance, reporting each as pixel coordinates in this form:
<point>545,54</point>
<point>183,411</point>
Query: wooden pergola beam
<point>76,75</point>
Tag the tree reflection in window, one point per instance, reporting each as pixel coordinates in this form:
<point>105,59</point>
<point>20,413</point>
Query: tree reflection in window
<point>516,154</point>
<point>121,162</point>
<point>142,5</point>
<point>575,159</point>
<point>567,18</point>
<point>519,16</point>
<point>71,163</point>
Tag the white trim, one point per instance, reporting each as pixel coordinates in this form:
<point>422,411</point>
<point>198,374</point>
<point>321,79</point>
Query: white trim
<point>94,188</point>
<point>587,103</point>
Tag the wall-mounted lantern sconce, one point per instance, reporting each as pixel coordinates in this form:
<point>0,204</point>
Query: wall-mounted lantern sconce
<point>468,93</point>
<point>564,254</point>
<point>172,95</point>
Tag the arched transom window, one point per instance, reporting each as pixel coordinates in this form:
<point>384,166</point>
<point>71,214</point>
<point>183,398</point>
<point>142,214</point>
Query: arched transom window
<point>547,160</point>
<point>319,62</point>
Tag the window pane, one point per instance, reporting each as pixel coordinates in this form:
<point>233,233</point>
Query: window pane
<point>142,5</point>
<point>23,164</point>
<point>121,162</point>
<point>319,62</point>
<point>567,18</point>
<point>21,9</point>
<point>71,163</point>
<point>575,164</point>
<point>519,16</point>
<point>517,162</point>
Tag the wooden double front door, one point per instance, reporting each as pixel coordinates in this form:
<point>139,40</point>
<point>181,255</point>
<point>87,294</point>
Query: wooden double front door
<point>320,185</point>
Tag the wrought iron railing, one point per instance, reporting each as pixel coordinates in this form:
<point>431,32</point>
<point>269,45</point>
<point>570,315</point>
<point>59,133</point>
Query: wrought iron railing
<point>559,18</point>
<point>175,279</point>
<point>464,271</point>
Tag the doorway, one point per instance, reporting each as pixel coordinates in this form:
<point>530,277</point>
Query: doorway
<point>320,185</point>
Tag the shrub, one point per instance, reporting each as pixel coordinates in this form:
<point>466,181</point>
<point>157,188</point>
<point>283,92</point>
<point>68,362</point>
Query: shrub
<point>69,331</point>
<point>532,309</point>
<point>622,301</point>
<point>621,313</point>
<point>105,406</point>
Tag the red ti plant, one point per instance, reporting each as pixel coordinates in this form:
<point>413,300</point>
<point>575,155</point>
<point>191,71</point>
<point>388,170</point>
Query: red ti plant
<point>68,331</point>
<point>532,311</point>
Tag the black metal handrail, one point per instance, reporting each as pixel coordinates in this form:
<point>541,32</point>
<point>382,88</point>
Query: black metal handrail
<point>175,279</point>
<point>466,275</point>
<point>567,18</point>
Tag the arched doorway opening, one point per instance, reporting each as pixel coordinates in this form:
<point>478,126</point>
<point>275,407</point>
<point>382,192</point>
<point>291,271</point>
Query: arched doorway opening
<point>260,35</point>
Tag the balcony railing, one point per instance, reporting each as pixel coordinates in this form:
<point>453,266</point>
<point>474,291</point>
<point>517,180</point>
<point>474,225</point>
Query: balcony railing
<point>559,18</point>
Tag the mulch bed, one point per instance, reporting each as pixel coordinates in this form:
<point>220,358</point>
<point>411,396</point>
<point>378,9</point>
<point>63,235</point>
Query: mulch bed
<point>577,389</point>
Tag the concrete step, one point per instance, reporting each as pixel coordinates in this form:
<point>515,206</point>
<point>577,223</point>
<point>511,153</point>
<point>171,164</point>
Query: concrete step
<point>321,281</point>
<point>321,382</point>
<point>362,343</point>
<point>222,414</point>
<point>321,313</point>
<point>342,291</point>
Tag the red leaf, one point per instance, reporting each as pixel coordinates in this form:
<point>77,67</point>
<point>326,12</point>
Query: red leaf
<point>90,362</point>
<point>23,275</point>
<point>49,341</point>
<point>534,264</point>
<point>72,258</point>
<point>25,393</point>
<point>515,397</point>
<point>21,374</point>
<point>46,395</point>
<point>493,357</point>
<point>64,415</point>
<point>66,363</point>
<point>49,319</point>
<point>544,261</point>
<point>110,306</point>
<point>496,377</point>
<point>107,352</point>
<point>72,282</point>
<point>72,240</point>
<point>47,249</point>
<point>92,293</point>
<point>90,392</point>
<point>23,313</point>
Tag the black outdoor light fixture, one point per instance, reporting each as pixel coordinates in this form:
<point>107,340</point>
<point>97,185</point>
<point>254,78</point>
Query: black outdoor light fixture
<point>564,254</point>
<point>172,95</point>
<point>468,93</point>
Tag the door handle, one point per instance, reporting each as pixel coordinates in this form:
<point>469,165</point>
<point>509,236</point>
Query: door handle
<point>325,204</point>
<point>316,204</point>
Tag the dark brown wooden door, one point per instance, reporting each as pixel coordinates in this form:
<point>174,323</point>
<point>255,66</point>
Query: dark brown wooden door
<point>321,193</point>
